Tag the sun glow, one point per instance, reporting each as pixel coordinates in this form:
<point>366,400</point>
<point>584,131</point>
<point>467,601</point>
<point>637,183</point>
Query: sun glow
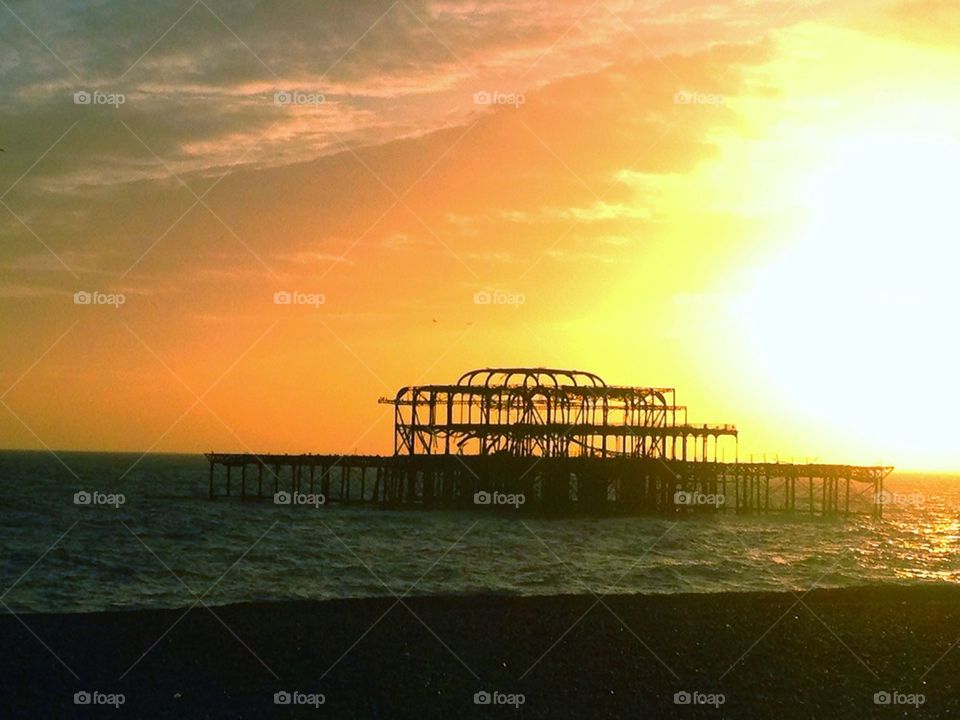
<point>853,322</point>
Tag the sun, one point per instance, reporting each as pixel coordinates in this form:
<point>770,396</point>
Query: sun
<point>854,321</point>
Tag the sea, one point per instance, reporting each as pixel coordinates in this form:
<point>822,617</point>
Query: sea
<point>151,538</point>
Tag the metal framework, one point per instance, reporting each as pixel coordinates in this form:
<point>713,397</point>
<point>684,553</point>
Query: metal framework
<point>552,413</point>
<point>564,441</point>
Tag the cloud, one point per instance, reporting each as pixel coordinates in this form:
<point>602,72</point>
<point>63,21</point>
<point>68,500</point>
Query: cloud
<point>199,82</point>
<point>558,161</point>
<point>393,196</point>
<point>46,262</point>
<point>932,22</point>
<point>314,257</point>
<point>20,291</point>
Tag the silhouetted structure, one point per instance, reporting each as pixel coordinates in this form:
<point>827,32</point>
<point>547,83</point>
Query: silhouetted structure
<point>541,412</point>
<point>562,441</point>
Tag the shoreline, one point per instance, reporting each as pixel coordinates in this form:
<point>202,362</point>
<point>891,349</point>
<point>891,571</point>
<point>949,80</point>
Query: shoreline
<point>932,588</point>
<point>566,655</point>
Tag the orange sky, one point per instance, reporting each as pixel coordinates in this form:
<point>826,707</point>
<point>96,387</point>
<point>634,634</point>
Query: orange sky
<point>752,203</point>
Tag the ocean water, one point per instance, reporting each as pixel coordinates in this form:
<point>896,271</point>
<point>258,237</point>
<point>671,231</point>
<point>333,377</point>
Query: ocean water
<point>167,546</point>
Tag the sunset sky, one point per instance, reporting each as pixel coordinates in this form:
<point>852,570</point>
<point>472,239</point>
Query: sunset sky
<point>753,202</point>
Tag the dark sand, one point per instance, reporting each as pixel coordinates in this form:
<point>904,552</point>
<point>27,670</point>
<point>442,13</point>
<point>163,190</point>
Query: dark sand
<point>799,669</point>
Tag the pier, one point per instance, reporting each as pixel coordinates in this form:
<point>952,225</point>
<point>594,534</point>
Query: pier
<point>624,485</point>
<point>552,441</point>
